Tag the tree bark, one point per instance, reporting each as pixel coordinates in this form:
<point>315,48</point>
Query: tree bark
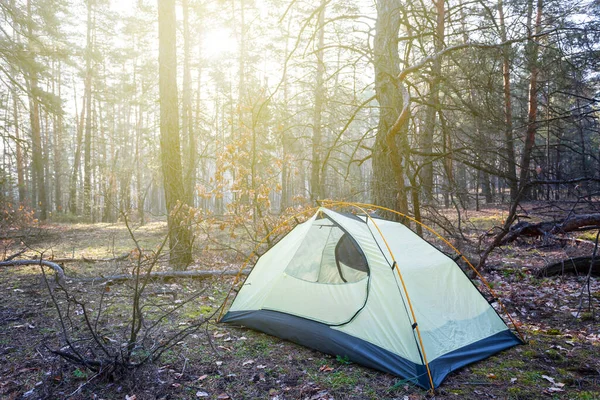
<point>76,159</point>
<point>87,153</point>
<point>316,184</point>
<point>36,137</point>
<point>509,144</point>
<point>575,223</point>
<point>20,170</point>
<point>434,107</point>
<point>577,265</point>
<point>187,125</point>
<point>532,50</point>
<point>58,145</point>
<point>180,237</point>
<point>388,190</point>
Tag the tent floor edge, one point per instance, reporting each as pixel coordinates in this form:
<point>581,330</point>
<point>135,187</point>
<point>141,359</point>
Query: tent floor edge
<point>477,351</point>
<point>322,337</point>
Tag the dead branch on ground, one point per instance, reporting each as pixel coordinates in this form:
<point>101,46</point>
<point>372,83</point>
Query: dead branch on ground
<point>60,273</point>
<point>570,224</point>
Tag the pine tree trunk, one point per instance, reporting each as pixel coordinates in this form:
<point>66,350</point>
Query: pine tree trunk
<point>187,124</point>
<point>87,153</point>
<point>509,145</point>
<point>316,188</point>
<point>20,170</point>
<point>388,189</point>
<point>36,137</point>
<point>434,106</point>
<point>532,52</point>
<point>180,238</point>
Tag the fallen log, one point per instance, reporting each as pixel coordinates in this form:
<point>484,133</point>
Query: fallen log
<point>163,275</point>
<point>576,265</point>
<point>122,257</point>
<point>574,223</point>
<point>60,273</point>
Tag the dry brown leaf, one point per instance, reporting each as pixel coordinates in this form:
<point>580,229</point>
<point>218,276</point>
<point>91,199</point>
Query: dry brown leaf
<point>325,368</point>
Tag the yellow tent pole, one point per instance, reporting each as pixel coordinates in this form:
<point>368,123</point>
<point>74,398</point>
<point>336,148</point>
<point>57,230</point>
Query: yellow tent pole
<point>357,205</point>
<point>247,260</point>
<point>483,280</point>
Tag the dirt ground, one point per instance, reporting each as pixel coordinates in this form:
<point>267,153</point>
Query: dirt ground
<point>560,360</point>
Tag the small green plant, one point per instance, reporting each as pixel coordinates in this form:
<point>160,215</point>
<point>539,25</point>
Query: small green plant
<point>343,360</point>
<point>587,316</point>
<point>79,374</point>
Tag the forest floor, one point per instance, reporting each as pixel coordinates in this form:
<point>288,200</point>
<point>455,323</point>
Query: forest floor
<point>560,360</point>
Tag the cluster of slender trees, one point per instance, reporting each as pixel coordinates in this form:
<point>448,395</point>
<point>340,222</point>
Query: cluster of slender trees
<point>252,106</point>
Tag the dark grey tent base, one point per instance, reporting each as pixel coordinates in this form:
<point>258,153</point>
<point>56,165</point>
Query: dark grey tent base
<point>322,337</point>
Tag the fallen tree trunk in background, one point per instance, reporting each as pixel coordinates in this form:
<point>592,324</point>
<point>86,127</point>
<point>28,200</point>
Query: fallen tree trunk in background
<point>574,223</point>
<point>125,277</point>
<point>577,265</point>
<point>122,257</point>
<point>164,275</point>
<point>60,274</point>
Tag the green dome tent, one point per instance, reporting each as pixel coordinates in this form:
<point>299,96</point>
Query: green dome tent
<point>371,290</point>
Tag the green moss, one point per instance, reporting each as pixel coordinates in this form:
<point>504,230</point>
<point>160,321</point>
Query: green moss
<point>487,222</point>
<point>531,377</point>
<point>553,332</point>
<point>529,354</point>
<point>515,392</point>
<point>554,355</point>
<point>505,364</point>
<point>586,395</point>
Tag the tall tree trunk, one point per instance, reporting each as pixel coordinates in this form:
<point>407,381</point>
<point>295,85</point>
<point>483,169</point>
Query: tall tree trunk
<point>285,133</point>
<point>434,102</point>
<point>138,166</point>
<point>87,153</point>
<point>187,124</point>
<point>532,50</point>
<point>20,170</point>
<point>511,168</point>
<point>36,137</point>
<point>316,188</point>
<point>388,189</point>
<point>76,158</point>
<point>58,145</point>
<point>180,238</point>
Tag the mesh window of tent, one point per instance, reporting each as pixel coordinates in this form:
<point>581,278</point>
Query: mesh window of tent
<point>328,255</point>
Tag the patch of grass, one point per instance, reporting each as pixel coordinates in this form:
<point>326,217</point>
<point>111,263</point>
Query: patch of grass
<point>587,316</point>
<point>487,222</point>
<point>555,355</point>
<point>341,379</point>
<point>531,377</point>
<point>586,395</point>
<point>512,363</point>
<point>588,235</point>
<point>553,332</point>
<point>343,360</point>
